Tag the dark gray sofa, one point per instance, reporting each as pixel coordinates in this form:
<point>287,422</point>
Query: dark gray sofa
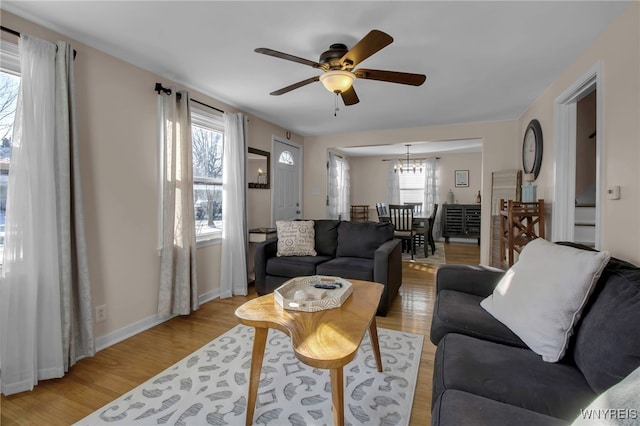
<point>358,250</point>
<point>485,375</point>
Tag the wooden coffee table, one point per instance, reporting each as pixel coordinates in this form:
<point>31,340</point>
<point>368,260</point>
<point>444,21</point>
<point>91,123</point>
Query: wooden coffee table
<point>325,339</point>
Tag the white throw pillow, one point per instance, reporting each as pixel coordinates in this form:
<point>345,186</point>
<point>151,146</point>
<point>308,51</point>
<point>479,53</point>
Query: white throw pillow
<point>541,297</point>
<point>296,238</point>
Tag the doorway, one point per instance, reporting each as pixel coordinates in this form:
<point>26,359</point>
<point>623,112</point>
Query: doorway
<point>287,176</point>
<point>578,148</point>
<point>586,201</point>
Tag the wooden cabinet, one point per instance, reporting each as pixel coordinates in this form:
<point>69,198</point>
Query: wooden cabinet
<point>359,213</point>
<point>461,220</point>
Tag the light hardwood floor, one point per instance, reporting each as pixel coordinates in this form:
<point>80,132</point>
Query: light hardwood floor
<point>93,382</point>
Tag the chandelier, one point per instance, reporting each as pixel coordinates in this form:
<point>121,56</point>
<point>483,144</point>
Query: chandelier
<point>407,164</point>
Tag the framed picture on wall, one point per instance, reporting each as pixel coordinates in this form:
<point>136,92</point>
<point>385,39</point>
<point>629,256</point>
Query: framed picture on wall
<point>462,178</point>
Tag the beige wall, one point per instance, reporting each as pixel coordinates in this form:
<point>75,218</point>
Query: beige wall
<point>448,164</point>
<point>117,122</point>
<point>617,49</point>
<point>500,148</point>
<point>369,179</point>
<point>368,182</point>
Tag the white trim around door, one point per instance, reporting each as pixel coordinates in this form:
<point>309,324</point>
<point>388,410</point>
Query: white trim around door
<point>563,213</point>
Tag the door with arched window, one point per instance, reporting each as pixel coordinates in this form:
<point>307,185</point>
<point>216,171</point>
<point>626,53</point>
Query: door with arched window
<point>287,176</point>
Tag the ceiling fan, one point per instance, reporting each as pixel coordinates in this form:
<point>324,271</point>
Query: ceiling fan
<point>338,64</point>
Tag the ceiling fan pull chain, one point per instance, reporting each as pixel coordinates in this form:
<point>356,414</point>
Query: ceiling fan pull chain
<point>335,111</point>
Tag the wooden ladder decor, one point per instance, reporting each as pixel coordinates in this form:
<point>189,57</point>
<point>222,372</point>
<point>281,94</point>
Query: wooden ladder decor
<point>519,223</point>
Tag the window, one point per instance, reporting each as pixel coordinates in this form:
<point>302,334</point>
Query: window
<point>207,133</point>
<point>9,86</point>
<point>286,158</point>
<point>412,186</point>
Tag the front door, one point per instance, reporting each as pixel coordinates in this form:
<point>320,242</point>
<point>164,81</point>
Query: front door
<point>287,174</point>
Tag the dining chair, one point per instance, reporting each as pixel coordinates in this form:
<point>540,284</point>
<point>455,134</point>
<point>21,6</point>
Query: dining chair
<point>431,221</point>
<point>417,208</point>
<point>419,224</point>
<point>383,213</point>
<point>401,217</point>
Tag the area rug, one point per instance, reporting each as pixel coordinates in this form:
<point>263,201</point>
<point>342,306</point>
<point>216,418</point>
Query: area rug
<point>209,387</point>
<point>437,258</point>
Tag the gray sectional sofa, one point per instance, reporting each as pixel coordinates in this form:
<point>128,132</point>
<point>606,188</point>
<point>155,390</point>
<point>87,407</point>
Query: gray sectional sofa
<point>486,375</point>
<point>358,250</point>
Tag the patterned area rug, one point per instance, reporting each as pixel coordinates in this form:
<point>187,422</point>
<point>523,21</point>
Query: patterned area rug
<point>437,258</point>
<point>209,387</point>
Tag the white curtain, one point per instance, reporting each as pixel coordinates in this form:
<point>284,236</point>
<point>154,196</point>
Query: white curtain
<point>178,279</point>
<point>393,185</point>
<point>233,279</point>
<point>338,188</point>
<point>45,301</point>
<point>431,192</point>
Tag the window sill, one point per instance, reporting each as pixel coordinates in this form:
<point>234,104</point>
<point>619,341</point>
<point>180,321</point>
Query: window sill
<point>210,240</point>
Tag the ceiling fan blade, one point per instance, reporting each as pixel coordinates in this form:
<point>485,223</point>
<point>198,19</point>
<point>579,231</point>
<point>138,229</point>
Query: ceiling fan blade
<point>349,97</point>
<point>275,53</point>
<point>295,86</point>
<point>370,44</point>
<point>391,76</point>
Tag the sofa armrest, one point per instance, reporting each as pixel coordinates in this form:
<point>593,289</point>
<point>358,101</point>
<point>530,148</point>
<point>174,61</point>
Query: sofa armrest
<point>387,270</point>
<point>264,250</point>
<point>478,280</point>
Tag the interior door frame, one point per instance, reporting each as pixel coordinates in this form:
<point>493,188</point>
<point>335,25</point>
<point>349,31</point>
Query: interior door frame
<point>563,213</point>
<point>276,139</point>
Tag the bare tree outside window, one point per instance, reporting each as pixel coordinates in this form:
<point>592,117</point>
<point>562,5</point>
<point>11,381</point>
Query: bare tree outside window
<point>207,176</point>
<point>9,86</point>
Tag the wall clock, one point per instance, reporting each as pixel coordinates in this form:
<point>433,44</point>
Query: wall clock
<point>532,148</point>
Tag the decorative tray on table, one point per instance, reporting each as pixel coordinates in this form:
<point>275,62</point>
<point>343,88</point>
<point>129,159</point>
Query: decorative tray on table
<point>313,293</point>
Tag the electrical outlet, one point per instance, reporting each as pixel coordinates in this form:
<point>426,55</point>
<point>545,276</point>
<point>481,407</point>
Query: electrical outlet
<point>101,313</point>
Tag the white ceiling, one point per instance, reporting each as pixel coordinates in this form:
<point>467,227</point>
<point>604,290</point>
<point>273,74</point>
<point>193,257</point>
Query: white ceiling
<point>484,60</point>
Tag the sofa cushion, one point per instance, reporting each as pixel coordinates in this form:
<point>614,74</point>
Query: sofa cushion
<point>294,266</point>
<point>296,238</point>
<point>607,341</point>
<point>361,239</point>
<point>511,375</point>
<point>541,297</point>
<point>348,267</point>
<point>326,237</point>
<point>457,408</point>
<point>459,312</point>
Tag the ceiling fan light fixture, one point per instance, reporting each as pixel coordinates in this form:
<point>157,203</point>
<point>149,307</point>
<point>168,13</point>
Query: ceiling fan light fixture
<point>337,81</point>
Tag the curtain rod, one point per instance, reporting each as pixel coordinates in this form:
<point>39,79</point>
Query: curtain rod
<point>10,31</point>
<point>159,88</point>
<point>17,34</point>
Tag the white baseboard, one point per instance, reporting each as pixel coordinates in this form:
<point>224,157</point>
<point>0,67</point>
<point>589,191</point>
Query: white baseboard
<point>124,333</point>
<point>208,297</point>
